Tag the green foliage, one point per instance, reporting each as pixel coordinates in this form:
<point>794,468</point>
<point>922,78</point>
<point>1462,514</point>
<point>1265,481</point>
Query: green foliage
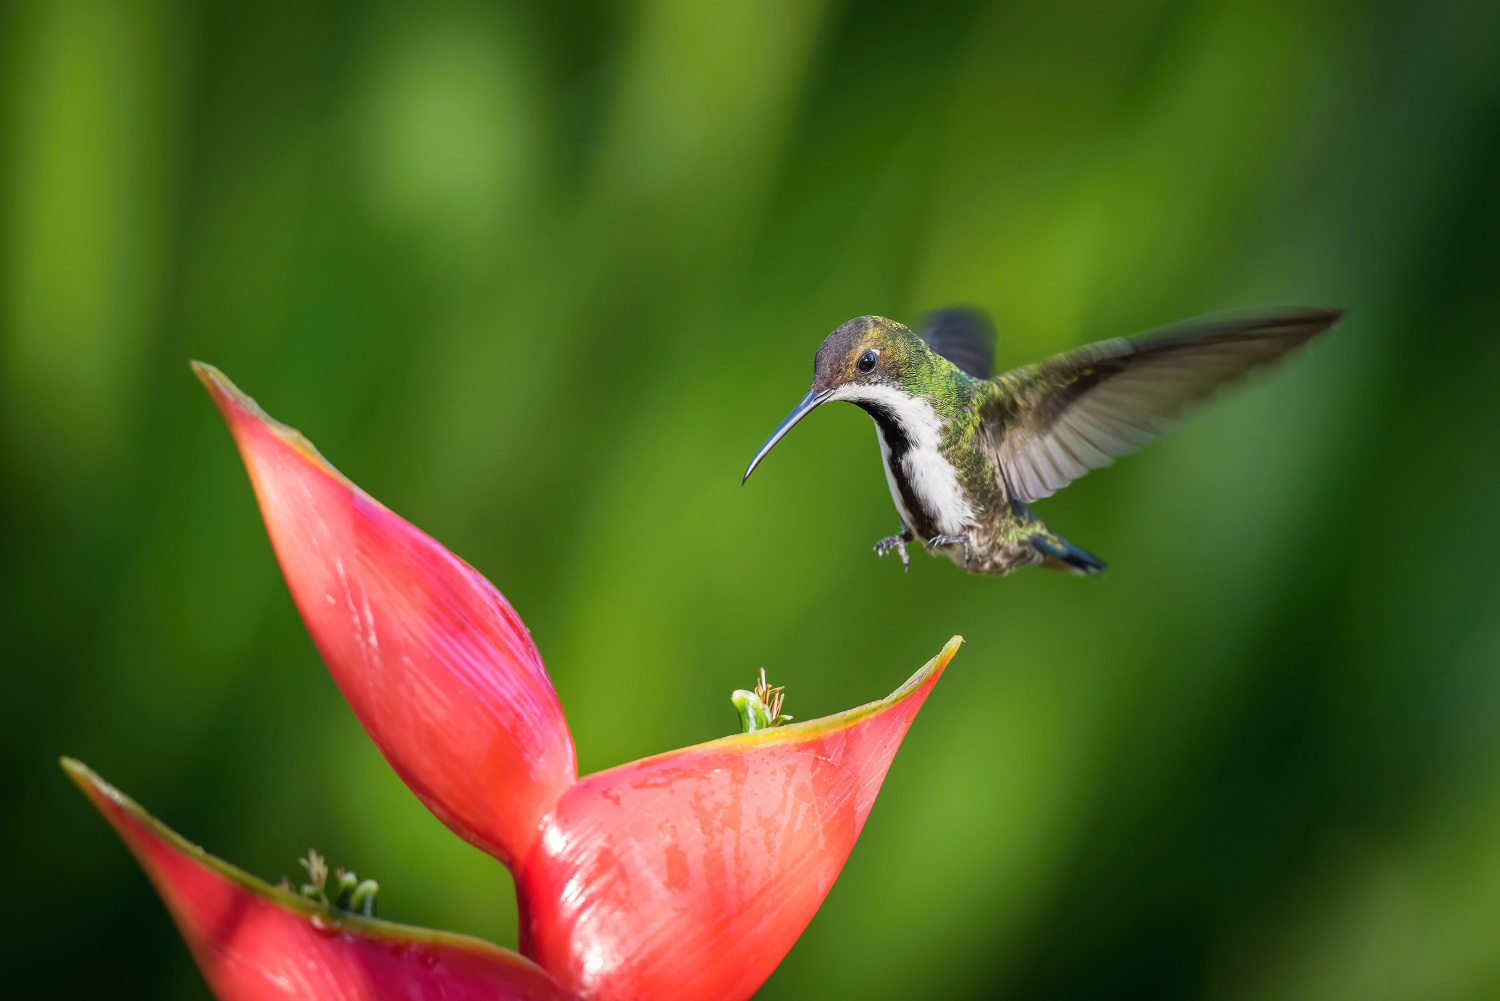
<point>541,276</point>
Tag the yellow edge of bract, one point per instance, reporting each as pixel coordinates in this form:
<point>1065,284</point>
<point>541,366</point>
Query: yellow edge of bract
<point>810,727</point>
<point>96,788</point>
<point>219,384</point>
<point>807,728</point>
<point>791,733</point>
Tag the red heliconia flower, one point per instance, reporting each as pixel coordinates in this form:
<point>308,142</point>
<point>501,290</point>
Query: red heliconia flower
<point>683,876</point>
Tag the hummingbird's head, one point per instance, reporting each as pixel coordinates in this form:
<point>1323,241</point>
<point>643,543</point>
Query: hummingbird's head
<point>871,361</point>
<point>863,354</point>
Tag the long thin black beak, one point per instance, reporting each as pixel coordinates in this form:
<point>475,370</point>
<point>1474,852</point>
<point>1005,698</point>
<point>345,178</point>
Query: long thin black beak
<point>801,410</point>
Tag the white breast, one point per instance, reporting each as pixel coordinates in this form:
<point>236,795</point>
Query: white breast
<point>935,482</point>
<point>932,477</point>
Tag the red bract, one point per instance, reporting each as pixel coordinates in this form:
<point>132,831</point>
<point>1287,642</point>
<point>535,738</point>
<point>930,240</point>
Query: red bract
<point>690,874</point>
<point>437,665</point>
<point>256,942</point>
<point>685,876</point>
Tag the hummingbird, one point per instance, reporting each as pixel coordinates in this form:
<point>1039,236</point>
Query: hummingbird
<point>966,451</point>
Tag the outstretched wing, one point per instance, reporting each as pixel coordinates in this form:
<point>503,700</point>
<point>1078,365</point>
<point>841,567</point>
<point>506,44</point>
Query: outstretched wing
<point>964,336</point>
<point>1049,424</point>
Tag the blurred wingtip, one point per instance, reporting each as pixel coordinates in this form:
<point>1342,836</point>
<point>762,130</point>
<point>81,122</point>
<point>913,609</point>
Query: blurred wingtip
<point>1320,316</point>
<point>963,334</point>
<point>1315,320</point>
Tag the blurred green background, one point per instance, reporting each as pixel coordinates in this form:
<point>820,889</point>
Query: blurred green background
<point>542,275</point>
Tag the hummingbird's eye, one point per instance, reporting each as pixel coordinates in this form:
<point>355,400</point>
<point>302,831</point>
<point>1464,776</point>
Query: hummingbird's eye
<point>866,361</point>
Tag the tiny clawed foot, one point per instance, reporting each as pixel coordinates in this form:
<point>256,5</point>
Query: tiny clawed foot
<point>946,540</point>
<point>898,543</point>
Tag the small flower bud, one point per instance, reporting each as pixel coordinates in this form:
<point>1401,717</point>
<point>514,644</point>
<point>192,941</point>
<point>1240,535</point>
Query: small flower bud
<point>760,709</point>
<point>363,898</point>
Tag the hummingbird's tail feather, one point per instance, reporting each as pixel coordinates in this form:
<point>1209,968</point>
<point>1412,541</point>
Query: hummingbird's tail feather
<point>1060,554</point>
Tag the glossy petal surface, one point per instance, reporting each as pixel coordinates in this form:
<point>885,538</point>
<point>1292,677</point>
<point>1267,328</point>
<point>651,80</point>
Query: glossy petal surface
<point>690,874</point>
<point>436,664</point>
<point>256,943</point>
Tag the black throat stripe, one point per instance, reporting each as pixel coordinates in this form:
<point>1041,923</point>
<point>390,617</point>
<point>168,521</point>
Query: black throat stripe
<point>897,444</point>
